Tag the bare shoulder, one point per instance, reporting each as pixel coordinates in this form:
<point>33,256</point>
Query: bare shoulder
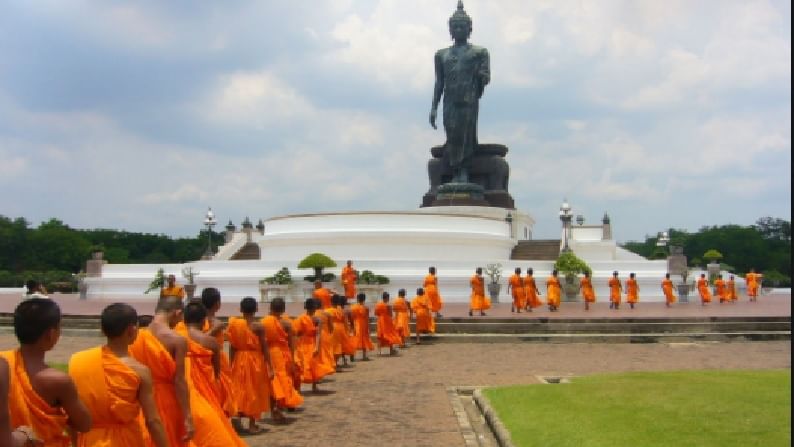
<point>206,340</point>
<point>139,368</point>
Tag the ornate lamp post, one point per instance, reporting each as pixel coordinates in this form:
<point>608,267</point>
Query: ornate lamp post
<point>580,219</point>
<point>209,222</point>
<point>663,239</point>
<point>565,218</point>
<point>509,221</point>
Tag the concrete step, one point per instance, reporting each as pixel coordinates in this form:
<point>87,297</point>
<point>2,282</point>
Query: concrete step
<point>611,337</point>
<point>536,250</point>
<point>249,251</point>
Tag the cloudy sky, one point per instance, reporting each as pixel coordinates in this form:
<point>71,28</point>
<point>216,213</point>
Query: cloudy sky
<point>140,115</point>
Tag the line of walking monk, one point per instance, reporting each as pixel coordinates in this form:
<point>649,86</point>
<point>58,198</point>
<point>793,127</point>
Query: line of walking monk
<point>525,293</point>
<point>171,383</point>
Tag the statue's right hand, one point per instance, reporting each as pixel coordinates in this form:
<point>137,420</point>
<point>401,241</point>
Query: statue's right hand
<point>432,118</point>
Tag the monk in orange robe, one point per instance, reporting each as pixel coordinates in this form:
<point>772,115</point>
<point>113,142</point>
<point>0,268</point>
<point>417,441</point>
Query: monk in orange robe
<point>720,290</point>
<point>516,286</point>
<point>386,333</point>
<point>326,328</point>
<point>632,291</point>
<point>41,397</point>
<point>431,286</point>
<point>308,358</point>
<point>731,288</point>
<point>615,291</point>
<point>172,288</point>
<point>251,370</point>
<point>478,300</point>
<point>278,339</point>
<point>115,387</point>
<point>20,436</point>
<point>531,292</point>
<point>586,287</point>
<point>402,311</point>
<point>213,428</point>
<point>553,291</point>
<point>703,289</point>
<point>421,307</point>
<point>343,342</point>
<point>752,284</point>
<point>213,326</point>
<point>323,294</point>
<point>348,278</point>
<point>287,325</point>
<point>668,290</point>
<point>361,326</point>
<point>164,352</point>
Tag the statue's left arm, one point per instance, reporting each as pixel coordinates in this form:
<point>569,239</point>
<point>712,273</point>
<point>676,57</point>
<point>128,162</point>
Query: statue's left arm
<point>484,71</point>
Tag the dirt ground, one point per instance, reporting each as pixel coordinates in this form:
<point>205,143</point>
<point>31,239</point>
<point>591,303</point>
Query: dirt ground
<point>402,401</point>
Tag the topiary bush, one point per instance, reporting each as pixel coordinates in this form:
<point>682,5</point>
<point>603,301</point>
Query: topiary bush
<point>282,277</point>
<point>569,265</point>
<point>316,261</point>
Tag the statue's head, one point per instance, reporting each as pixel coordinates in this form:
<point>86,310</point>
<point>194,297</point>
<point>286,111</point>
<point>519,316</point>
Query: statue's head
<point>460,23</point>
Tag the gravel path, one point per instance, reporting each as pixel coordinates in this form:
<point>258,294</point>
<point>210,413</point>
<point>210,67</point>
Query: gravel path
<point>402,401</point>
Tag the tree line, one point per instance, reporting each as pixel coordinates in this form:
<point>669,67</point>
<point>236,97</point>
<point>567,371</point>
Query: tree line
<point>53,252</point>
<point>765,246</point>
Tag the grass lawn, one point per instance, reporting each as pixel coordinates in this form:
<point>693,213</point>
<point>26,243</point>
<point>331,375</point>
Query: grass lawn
<point>682,408</point>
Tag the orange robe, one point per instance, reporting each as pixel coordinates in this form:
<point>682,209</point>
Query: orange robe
<point>177,291</point>
<point>343,342</point>
<point>223,390</point>
<point>720,290</point>
<point>615,290</point>
<point>668,291</point>
<point>732,290</point>
<point>324,295</point>
<point>311,366</point>
<point>431,286</point>
<point>421,306</point>
<point>478,300</point>
<point>517,291</point>
<point>632,291</point>
<point>250,387</point>
<point>281,358</point>
<point>326,339</point>
<point>553,291</point>
<point>586,287</point>
<point>703,289</point>
<point>530,294</point>
<point>111,397</point>
<point>148,350</point>
<point>385,328</point>
<point>752,284</point>
<point>401,309</point>
<point>26,407</point>
<point>348,278</point>
<point>361,327</point>
<point>213,428</point>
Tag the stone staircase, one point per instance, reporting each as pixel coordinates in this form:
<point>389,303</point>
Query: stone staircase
<point>249,251</point>
<point>537,250</point>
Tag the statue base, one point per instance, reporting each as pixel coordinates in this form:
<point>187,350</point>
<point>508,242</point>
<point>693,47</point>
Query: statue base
<point>460,194</point>
<point>487,169</point>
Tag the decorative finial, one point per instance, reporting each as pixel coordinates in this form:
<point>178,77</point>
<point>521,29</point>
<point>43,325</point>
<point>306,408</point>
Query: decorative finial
<point>460,14</point>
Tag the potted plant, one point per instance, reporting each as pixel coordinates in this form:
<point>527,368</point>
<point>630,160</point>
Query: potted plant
<point>158,282</point>
<point>190,276</point>
<point>317,262</point>
<point>569,265</point>
<point>371,285</point>
<point>279,282</point>
<point>493,271</point>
